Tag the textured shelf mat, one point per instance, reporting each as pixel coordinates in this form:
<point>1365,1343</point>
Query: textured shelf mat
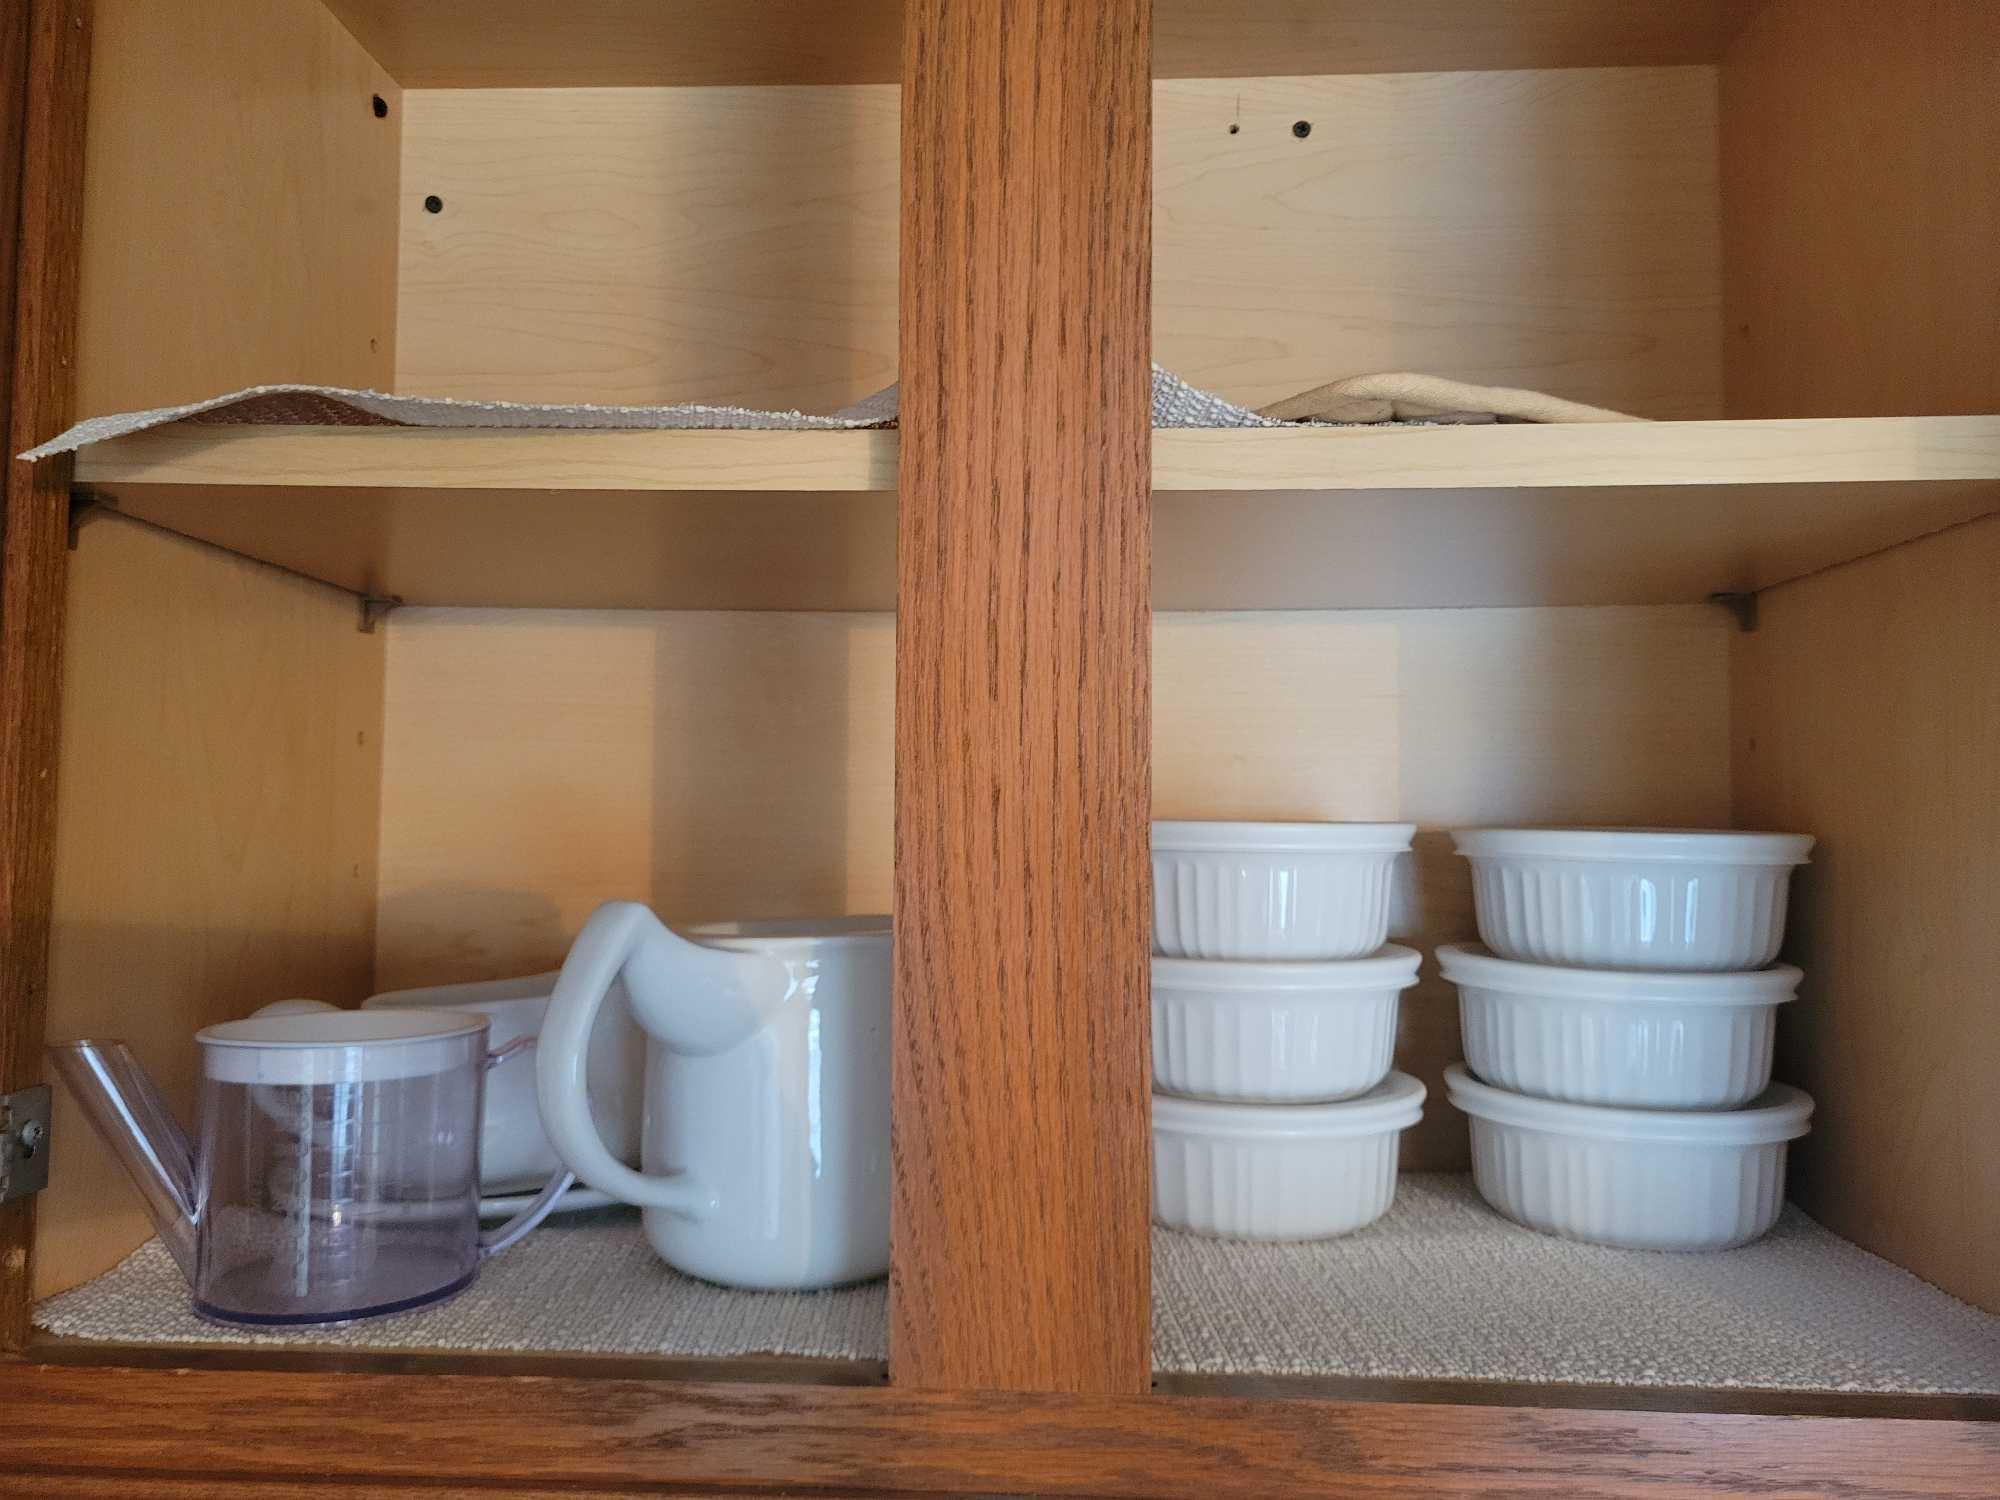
<point>1441,1289</point>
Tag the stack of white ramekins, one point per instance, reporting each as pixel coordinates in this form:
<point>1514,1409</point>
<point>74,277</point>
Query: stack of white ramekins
<point>1618,1026</point>
<point>1275,1113</point>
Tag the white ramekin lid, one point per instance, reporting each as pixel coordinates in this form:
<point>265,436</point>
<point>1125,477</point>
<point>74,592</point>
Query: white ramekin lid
<point>1780,1113</point>
<point>1396,1103</point>
<point>1469,963</point>
<point>1704,846</point>
<point>1389,964</point>
<point>1287,838</point>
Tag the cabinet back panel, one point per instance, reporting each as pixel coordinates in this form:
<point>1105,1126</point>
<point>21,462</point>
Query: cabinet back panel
<point>239,204</point>
<point>1868,713</point>
<point>215,830</point>
<point>1861,209</point>
<point>1555,229</point>
<point>735,764</point>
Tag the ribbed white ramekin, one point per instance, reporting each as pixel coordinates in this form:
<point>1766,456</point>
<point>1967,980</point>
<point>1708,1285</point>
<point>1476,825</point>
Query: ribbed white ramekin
<point>1635,1178</point>
<point>1280,1171</point>
<point>1276,1032</point>
<point>1614,898</point>
<point>1292,891</point>
<point>1611,1036</point>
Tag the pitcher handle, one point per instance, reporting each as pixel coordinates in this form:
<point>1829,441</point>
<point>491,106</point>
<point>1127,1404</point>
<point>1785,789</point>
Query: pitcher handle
<point>613,934</point>
<point>501,1236</point>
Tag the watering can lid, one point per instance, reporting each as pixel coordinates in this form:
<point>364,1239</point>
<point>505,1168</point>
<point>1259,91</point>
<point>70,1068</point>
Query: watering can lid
<point>338,1046</point>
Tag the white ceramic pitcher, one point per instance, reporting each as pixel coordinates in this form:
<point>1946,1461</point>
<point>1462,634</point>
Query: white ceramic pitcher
<point>765,1145</point>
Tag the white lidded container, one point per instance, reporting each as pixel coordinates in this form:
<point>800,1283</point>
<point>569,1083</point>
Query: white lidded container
<point>1280,1171</point>
<point>1612,1036</point>
<point>1634,1178</point>
<point>1277,1032</point>
<point>1632,898</point>
<point>1300,892</point>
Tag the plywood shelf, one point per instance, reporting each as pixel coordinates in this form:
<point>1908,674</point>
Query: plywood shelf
<point>521,43</point>
<point>1641,513</point>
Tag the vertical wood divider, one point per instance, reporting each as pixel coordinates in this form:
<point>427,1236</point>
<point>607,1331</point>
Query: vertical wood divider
<point>1023,727</point>
<point>43,138</point>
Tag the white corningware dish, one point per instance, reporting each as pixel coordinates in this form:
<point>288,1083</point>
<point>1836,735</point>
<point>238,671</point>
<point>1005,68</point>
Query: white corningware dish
<point>514,1149</point>
<point>1615,1037</point>
<point>1292,891</point>
<point>1632,898</point>
<point>1638,1179</point>
<point>1280,1171</point>
<point>1277,1032</point>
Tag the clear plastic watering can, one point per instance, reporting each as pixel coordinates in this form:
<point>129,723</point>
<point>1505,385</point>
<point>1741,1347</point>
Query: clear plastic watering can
<point>334,1169</point>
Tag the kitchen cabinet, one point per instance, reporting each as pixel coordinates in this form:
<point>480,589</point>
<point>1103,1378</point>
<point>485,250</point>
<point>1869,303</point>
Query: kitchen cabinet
<point>333,710</point>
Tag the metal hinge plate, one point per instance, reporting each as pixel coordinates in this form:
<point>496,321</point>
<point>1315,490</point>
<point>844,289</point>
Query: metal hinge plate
<point>24,1142</point>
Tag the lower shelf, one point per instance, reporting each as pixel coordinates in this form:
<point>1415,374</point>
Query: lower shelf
<point>1441,1290</point>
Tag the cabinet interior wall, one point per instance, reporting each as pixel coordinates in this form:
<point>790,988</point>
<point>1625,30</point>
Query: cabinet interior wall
<point>257,799</point>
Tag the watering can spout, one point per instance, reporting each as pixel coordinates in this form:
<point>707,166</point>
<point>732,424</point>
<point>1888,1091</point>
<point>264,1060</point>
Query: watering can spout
<point>124,1105</point>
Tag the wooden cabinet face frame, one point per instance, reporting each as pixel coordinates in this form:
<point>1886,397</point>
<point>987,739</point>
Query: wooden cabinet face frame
<point>153,1421</point>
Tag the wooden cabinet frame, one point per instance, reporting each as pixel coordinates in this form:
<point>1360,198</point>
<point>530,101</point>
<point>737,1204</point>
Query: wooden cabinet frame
<point>1019,1292</point>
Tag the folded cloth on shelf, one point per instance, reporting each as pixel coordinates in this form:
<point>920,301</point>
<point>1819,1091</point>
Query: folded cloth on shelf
<point>1402,397</point>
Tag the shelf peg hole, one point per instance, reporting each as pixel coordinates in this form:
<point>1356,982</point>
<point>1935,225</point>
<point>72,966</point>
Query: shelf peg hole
<point>1235,128</point>
<point>381,108</point>
<point>1302,128</point>
<point>433,204</point>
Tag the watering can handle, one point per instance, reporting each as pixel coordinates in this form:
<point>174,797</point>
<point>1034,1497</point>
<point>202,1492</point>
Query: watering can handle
<point>613,934</point>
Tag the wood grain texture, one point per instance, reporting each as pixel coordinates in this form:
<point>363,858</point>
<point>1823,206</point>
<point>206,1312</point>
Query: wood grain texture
<point>469,44</point>
<point>100,1425</point>
<point>48,56</point>
<point>215,830</point>
<point>1243,519</point>
<point>1868,713</point>
<point>1445,718</point>
<point>1860,209</point>
<point>510,44</point>
<point>1549,229</point>
<point>724,765</point>
<point>535,764</point>
<point>240,204</point>
<point>1249,38</point>
<point>1852,450</point>
<point>1552,229</point>
<point>1020,1203</point>
<point>650,245</point>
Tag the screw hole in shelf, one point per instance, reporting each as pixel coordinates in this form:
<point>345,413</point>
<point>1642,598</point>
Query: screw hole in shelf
<point>1302,128</point>
<point>1234,128</point>
<point>434,204</point>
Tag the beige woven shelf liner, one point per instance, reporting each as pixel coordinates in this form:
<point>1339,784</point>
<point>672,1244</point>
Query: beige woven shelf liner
<point>1442,1289</point>
<point>1175,404</point>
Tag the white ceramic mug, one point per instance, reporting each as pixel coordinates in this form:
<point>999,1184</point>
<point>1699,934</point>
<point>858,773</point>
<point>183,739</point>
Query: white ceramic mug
<point>514,1150</point>
<point>766,1140</point>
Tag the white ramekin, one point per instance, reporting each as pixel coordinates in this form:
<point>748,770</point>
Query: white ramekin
<point>1637,898</point>
<point>1264,1033</point>
<point>1293,891</point>
<point>1640,1179</point>
<point>1611,1036</point>
<point>1280,1171</point>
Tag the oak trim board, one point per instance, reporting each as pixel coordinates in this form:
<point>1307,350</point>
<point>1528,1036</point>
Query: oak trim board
<point>51,54</point>
<point>103,1423</point>
<point>1020,1206</point>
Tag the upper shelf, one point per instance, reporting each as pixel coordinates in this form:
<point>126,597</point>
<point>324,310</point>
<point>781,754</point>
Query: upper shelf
<point>529,43</point>
<point>1296,518</point>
